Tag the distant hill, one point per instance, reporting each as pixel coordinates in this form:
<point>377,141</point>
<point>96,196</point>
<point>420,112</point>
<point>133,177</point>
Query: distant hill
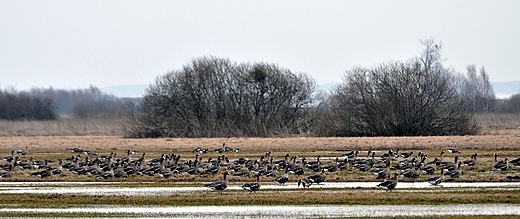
<point>502,89</point>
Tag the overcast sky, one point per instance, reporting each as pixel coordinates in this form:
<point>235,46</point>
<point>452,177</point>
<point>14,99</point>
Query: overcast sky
<point>75,44</point>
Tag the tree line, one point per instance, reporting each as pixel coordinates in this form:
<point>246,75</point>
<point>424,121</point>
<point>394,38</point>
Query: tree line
<point>47,103</point>
<point>25,107</point>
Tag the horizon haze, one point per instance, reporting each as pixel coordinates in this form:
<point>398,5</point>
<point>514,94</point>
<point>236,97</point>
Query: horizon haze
<point>74,44</point>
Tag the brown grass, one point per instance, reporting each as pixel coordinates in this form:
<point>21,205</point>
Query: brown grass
<point>92,135</point>
<point>55,147</point>
<point>63,126</point>
<point>47,144</point>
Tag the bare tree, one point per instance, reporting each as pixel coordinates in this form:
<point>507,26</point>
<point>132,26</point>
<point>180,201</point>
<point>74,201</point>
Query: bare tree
<point>213,97</point>
<point>477,89</point>
<point>403,99</point>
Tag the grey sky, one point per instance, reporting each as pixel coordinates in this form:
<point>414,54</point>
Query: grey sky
<point>75,44</point>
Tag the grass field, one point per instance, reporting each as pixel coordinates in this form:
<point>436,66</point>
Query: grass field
<point>95,135</point>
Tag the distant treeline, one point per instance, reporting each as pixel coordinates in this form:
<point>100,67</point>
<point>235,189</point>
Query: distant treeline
<point>25,107</point>
<point>46,103</point>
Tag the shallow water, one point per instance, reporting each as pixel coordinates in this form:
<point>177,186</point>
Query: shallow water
<point>271,212</point>
<point>324,211</point>
<point>115,189</point>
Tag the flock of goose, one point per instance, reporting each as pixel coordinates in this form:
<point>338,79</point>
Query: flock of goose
<point>307,171</point>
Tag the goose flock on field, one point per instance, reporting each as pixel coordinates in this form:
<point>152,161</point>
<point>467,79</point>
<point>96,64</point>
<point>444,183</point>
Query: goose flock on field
<point>387,166</point>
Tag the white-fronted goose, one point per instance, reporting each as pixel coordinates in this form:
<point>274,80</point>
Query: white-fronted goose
<point>305,182</point>
<point>220,184</point>
<point>389,184</point>
<point>253,186</point>
<point>470,162</point>
<point>282,179</point>
<point>436,180</point>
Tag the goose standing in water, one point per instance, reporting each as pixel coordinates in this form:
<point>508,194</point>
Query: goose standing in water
<point>254,186</point>
<point>389,184</point>
<point>305,182</point>
<point>220,184</point>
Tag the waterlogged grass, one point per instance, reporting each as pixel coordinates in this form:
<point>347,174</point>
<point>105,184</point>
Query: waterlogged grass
<point>460,217</point>
<point>126,215</point>
<point>291,197</point>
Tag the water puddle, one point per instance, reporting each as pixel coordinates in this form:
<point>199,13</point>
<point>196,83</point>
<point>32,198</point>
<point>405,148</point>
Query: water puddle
<point>149,189</point>
<point>322,211</point>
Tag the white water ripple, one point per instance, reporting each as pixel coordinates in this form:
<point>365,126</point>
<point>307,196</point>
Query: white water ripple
<point>313,211</point>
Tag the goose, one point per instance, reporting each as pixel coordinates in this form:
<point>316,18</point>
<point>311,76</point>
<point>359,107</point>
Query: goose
<point>317,162</point>
<point>448,165</point>
<point>254,186</point>
<point>282,163</point>
<point>470,162</point>
<point>201,150</point>
<point>350,154</point>
<point>7,166</point>
<point>382,173</point>
<point>436,180</point>
<point>75,150</point>
<point>453,151</point>
<point>389,184</point>
<point>89,153</point>
<point>38,164</point>
<point>305,182</point>
<point>388,155</point>
<point>106,175</point>
<point>455,173</point>
<point>429,169</point>
<point>333,167</point>
<point>515,177</point>
<point>243,174</point>
<point>314,165</point>
<point>318,178</point>
<point>219,185</point>
<point>502,165</point>
<point>57,170</point>
<point>412,173</point>
<point>43,174</point>
<point>223,149</point>
<point>23,152</point>
<point>10,157</point>
<point>406,154</point>
<point>343,165</point>
<point>297,169</point>
<point>213,169</point>
<point>515,161</point>
<point>7,174</point>
<point>282,179</point>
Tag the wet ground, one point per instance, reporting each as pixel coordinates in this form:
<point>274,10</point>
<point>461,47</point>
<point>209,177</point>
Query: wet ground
<point>116,189</point>
<point>323,211</point>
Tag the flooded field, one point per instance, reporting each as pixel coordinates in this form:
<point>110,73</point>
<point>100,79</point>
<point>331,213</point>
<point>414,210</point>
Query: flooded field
<point>321,211</point>
<point>256,211</point>
<point>149,189</point>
